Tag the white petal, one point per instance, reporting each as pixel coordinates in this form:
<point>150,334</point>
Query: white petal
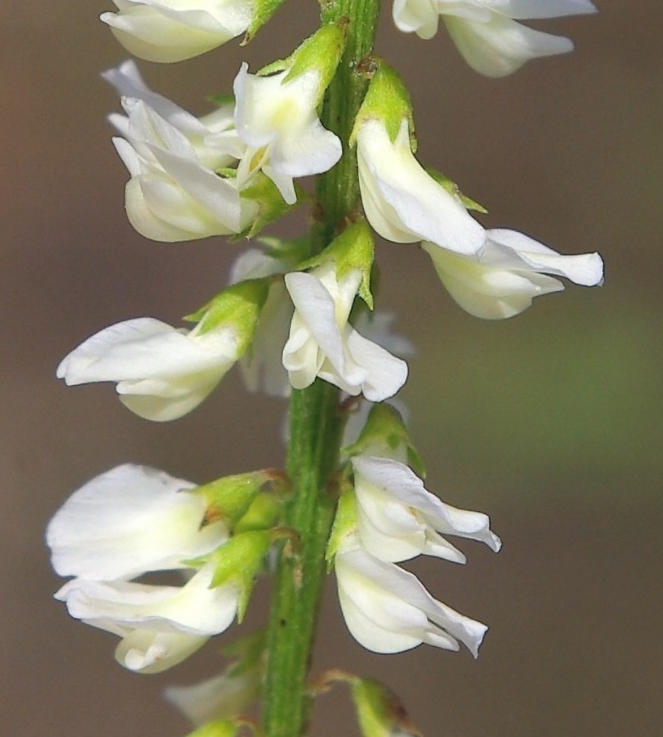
<point>194,608</point>
<point>402,202</point>
<point>501,46</point>
<point>387,609</point>
<point>127,521</point>
<point>530,9</point>
<point>420,16</point>
<point>386,373</point>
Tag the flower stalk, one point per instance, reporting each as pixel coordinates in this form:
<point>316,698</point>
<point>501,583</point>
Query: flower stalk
<point>316,420</point>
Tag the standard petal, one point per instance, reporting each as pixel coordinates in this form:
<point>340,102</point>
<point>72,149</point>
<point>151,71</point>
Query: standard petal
<point>402,202</point>
<point>500,46</point>
<point>128,521</point>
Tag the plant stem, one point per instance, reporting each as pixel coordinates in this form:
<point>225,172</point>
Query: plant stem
<point>316,422</point>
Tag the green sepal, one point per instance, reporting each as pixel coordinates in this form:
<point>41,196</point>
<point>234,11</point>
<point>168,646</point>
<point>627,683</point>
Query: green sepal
<point>354,249</point>
<point>230,498</point>
<point>263,10</point>
<point>453,189</point>
<point>388,101</point>
<point>271,205</point>
<point>238,306</point>
<point>262,514</point>
<point>238,562</point>
<point>385,435</point>
<point>322,52</point>
<point>345,522</point>
<point>380,712</point>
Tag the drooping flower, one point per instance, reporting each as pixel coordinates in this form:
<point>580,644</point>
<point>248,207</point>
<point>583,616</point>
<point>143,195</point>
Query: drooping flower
<point>402,202</point>
<point>213,136</point>
<point>323,344</point>
<point>173,30</point>
<point>398,518</point>
<point>486,32</point>
<point>163,373</point>
<point>388,610</point>
<point>276,114</point>
<point>503,278</point>
<point>172,196</point>
<point>159,625</point>
<point>129,521</point>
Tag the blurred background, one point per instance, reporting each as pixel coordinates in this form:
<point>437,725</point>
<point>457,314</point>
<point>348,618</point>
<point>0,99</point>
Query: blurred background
<point>550,422</point>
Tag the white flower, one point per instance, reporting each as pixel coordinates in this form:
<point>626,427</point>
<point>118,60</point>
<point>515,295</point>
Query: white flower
<point>172,195</point>
<point>486,32</point>
<point>159,625</point>
<point>402,202</point>
<point>173,30</point>
<point>278,121</point>
<point>213,136</point>
<point>323,344</point>
<point>162,373</point>
<point>388,610</point>
<point>220,697</point>
<point>399,519</point>
<point>508,272</point>
<point>129,521</point>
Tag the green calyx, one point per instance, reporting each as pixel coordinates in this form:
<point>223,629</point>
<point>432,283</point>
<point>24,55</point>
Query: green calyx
<point>271,205</point>
<point>388,101</point>
<point>385,435</point>
<point>320,53</point>
<point>352,250</point>
<point>232,498</point>
<point>453,189</point>
<point>379,711</point>
<point>237,307</point>
<point>345,523</point>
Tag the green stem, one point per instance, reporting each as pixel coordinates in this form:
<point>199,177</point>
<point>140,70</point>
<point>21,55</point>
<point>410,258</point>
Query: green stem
<point>316,422</point>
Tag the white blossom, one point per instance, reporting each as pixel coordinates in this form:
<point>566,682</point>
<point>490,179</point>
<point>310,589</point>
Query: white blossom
<point>129,521</point>
<point>172,195</point>
<point>323,344</point>
<point>511,269</point>
<point>159,625</point>
<point>162,373</point>
<point>486,32</point>
<point>219,697</point>
<point>277,120</point>
<point>173,30</point>
<point>388,610</point>
<point>399,519</point>
<point>213,136</point>
<point>402,202</point>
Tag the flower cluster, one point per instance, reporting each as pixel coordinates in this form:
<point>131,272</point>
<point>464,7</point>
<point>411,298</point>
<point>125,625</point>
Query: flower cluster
<point>132,521</point>
<point>386,516</point>
<point>294,313</point>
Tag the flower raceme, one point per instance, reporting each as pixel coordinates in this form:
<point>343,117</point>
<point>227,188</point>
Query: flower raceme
<point>163,373</point>
<point>502,279</point>
<point>486,32</point>
<point>173,30</point>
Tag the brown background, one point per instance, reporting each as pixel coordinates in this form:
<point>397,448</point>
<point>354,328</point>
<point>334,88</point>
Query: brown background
<point>549,422</point>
